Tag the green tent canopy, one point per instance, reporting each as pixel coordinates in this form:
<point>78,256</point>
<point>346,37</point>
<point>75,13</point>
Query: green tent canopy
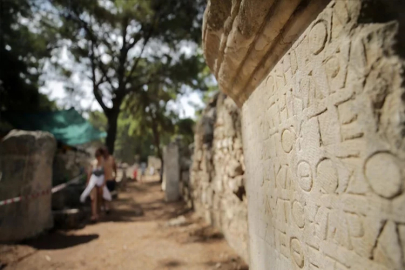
<point>68,126</point>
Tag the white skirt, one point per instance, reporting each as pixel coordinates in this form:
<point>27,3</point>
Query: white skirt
<point>93,182</point>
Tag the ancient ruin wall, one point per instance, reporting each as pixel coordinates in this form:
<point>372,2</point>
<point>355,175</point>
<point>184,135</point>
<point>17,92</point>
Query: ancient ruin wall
<point>324,141</point>
<point>243,39</point>
<point>217,173</point>
<point>26,166</point>
<point>171,172</point>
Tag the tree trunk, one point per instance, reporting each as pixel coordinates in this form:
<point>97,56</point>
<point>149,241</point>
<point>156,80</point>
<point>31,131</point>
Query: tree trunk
<point>160,156</point>
<point>161,170</point>
<point>112,118</point>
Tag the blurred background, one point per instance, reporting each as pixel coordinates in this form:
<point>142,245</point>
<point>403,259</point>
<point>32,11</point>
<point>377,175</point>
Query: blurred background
<point>132,69</point>
<point>128,75</point>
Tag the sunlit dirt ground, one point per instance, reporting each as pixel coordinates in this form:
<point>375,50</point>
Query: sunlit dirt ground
<point>136,235</point>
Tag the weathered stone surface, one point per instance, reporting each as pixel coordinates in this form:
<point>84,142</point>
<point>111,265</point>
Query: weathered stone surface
<point>68,197</point>
<point>216,175</point>
<point>321,87</point>
<point>242,40</point>
<point>324,146</point>
<point>26,165</point>
<point>171,172</point>
<point>68,164</point>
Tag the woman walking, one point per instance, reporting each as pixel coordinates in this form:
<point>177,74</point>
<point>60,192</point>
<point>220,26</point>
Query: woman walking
<point>96,185</point>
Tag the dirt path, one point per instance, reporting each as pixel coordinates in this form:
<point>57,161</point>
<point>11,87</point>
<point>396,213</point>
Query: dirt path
<point>127,240</point>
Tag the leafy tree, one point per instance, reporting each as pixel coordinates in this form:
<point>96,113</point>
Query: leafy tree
<point>146,124</point>
<point>155,118</point>
<point>23,52</point>
<point>150,108</point>
<point>123,46</point>
<point>98,120</point>
<point>130,141</point>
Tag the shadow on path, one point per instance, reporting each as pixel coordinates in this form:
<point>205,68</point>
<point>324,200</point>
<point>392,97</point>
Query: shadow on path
<point>147,204</point>
<point>58,240</point>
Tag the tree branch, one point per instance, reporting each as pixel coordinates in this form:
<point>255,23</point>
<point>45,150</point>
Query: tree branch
<point>146,40</point>
<point>108,44</point>
<point>105,75</point>
<point>123,56</point>
<point>93,40</point>
<point>152,78</point>
<point>136,38</point>
<point>96,85</point>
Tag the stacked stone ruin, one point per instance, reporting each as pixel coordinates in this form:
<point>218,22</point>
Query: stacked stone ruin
<point>217,172</point>
<point>320,87</point>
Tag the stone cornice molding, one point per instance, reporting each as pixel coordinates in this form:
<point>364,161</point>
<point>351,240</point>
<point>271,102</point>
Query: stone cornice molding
<point>244,39</point>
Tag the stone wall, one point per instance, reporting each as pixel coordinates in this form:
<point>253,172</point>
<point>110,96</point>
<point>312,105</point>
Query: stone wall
<point>186,152</point>
<point>217,172</point>
<point>323,127</point>
<point>68,164</point>
<point>171,172</point>
<point>26,166</point>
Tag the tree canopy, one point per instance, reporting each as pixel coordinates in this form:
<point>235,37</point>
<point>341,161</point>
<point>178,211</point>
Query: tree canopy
<point>23,51</point>
<point>124,46</point>
<point>135,57</point>
<point>137,135</point>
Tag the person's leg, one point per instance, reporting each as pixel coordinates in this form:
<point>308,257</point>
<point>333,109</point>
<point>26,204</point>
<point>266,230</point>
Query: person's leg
<point>94,203</point>
<point>111,187</point>
<point>99,198</point>
<point>107,206</point>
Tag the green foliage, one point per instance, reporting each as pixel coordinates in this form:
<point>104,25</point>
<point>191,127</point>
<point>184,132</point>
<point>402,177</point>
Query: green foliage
<point>133,53</point>
<point>23,51</point>
<point>130,142</point>
<point>150,108</point>
<point>144,129</point>
<point>124,46</point>
<point>98,120</point>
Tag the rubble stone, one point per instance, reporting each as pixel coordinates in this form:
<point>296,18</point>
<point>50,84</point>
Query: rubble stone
<point>216,175</point>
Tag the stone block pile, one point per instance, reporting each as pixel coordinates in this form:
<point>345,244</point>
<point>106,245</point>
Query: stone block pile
<point>217,172</point>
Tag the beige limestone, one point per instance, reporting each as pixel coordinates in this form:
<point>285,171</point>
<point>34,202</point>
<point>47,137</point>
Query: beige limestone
<point>185,161</point>
<point>217,172</point>
<point>68,164</point>
<point>171,172</point>
<point>243,39</point>
<point>26,164</point>
<point>323,133</point>
<point>325,150</point>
